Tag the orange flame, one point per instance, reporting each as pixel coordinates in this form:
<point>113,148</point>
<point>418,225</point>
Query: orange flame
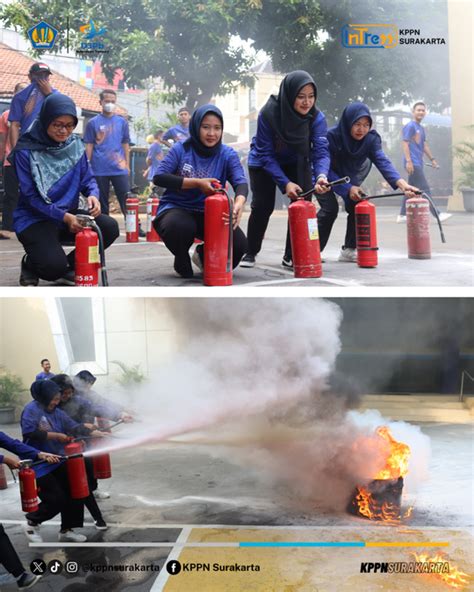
<point>371,509</point>
<point>397,462</point>
<point>455,578</point>
<point>396,466</point>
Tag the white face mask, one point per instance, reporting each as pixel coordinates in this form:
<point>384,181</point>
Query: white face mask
<point>109,107</point>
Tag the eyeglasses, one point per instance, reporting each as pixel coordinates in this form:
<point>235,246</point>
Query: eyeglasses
<point>59,126</point>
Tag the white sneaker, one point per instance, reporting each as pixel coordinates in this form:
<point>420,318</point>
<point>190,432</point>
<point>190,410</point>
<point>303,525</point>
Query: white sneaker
<point>101,495</point>
<point>32,533</point>
<point>348,256</point>
<point>401,218</point>
<point>444,216</point>
<point>71,537</point>
<point>196,259</point>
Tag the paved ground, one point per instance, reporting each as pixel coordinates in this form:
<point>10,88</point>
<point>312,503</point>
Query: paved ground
<point>179,501</point>
<point>150,264</point>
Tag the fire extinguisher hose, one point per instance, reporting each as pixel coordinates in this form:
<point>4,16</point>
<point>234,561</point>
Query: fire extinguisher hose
<point>103,270</point>
<point>435,210</point>
<point>331,184</point>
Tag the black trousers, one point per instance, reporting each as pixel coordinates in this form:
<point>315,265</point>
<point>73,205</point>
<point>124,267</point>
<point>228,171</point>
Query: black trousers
<point>42,243</point>
<point>263,203</point>
<point>8,556</point>
<point>178,228</point>
<point>121,185</point>
<point>90,502</point>
<point>327,216</point>
<point>53,491</point>
<point>10,201</point>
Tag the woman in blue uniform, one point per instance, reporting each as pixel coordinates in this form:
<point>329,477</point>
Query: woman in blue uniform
<point>189,173</point>
<point>289,150</point>
<point>46,427</point>
<point>8,556</point>
<point>52,170</point>
<point>354,146</point>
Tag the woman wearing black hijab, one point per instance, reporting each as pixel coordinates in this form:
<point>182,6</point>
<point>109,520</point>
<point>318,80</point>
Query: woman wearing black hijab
<point>188,172</point>
<point>289,150</point>
<point>354,147</point>
<point>52,170</point>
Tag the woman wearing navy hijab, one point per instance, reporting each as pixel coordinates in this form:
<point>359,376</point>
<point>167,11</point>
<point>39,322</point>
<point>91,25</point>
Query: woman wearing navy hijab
<point>290,151</point>
<point>354,147</point>
<point>188,173</point>
<point>52,169</point>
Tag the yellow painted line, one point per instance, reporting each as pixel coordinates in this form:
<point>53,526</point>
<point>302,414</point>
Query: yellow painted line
<point>408,544</point>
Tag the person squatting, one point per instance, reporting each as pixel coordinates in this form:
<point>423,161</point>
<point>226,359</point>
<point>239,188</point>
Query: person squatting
<point>292,150</point>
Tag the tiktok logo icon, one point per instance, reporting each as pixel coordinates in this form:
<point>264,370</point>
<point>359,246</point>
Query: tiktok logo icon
<point>173,567</point>
<point>55,567</point>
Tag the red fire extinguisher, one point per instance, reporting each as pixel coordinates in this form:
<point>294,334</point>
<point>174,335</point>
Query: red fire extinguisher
<point>152,204</point>
<point>218,239</point>
<point>3,478</point>
<point>131,218</point>
<point>28,488</point>
<point>366,234</point>
<point>418,228</point>
<point>101,465</point>
<point>87,259</point>
<point>304,237</point>
<point>76,470</point>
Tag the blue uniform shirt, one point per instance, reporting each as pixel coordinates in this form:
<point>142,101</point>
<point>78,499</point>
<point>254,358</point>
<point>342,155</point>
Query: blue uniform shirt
<point>267,151</point>
<point>183,161</point>
<point>64,194</point>
<point>414,133</point>
<point>153,152</point>
<point>26,105</point>
<point>177,133</point>
<point>19,448</point>
<point>343,166</point>
<point>108,134</point>
<point>44,376</point>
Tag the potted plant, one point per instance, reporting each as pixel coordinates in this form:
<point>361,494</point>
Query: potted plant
<point>10,388</point>
<point>465,154</point>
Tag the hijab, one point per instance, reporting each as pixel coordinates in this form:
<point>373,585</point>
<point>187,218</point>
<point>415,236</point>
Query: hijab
<point>339,136</point>
<point>51,160</point>
<point>194,128</point>
<point>44,391</point>
<point>291,127</point>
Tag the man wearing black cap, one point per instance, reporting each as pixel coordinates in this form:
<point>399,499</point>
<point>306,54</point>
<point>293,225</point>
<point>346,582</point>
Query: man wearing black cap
<point>26,105</point>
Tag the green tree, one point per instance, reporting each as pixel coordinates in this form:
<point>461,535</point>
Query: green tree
<point>186,43</point>
<point>306,34</point>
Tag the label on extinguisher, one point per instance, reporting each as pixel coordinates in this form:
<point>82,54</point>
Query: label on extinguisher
<point>93,254</point>
<point>149,218</point>
<point>313,229</point>
<point>131,222</point>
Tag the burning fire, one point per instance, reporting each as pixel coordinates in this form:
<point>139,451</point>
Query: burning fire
<point>369,500</point>
<point>397,462</point>
<point>455,578</point>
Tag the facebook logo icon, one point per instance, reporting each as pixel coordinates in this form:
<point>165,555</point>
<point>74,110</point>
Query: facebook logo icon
<point>173,567</point>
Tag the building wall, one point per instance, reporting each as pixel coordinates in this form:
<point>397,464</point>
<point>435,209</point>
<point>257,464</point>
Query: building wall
<point>137,331</point>
<point>461,65</point>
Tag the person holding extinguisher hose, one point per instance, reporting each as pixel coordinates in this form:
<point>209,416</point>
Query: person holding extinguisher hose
<point>190,172</point>
<point>289,150</point>
<point>84,411</point>
<point>8,556</point>
<point>44,426</point>
<point>354,146</point>
<point>52,169</point>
